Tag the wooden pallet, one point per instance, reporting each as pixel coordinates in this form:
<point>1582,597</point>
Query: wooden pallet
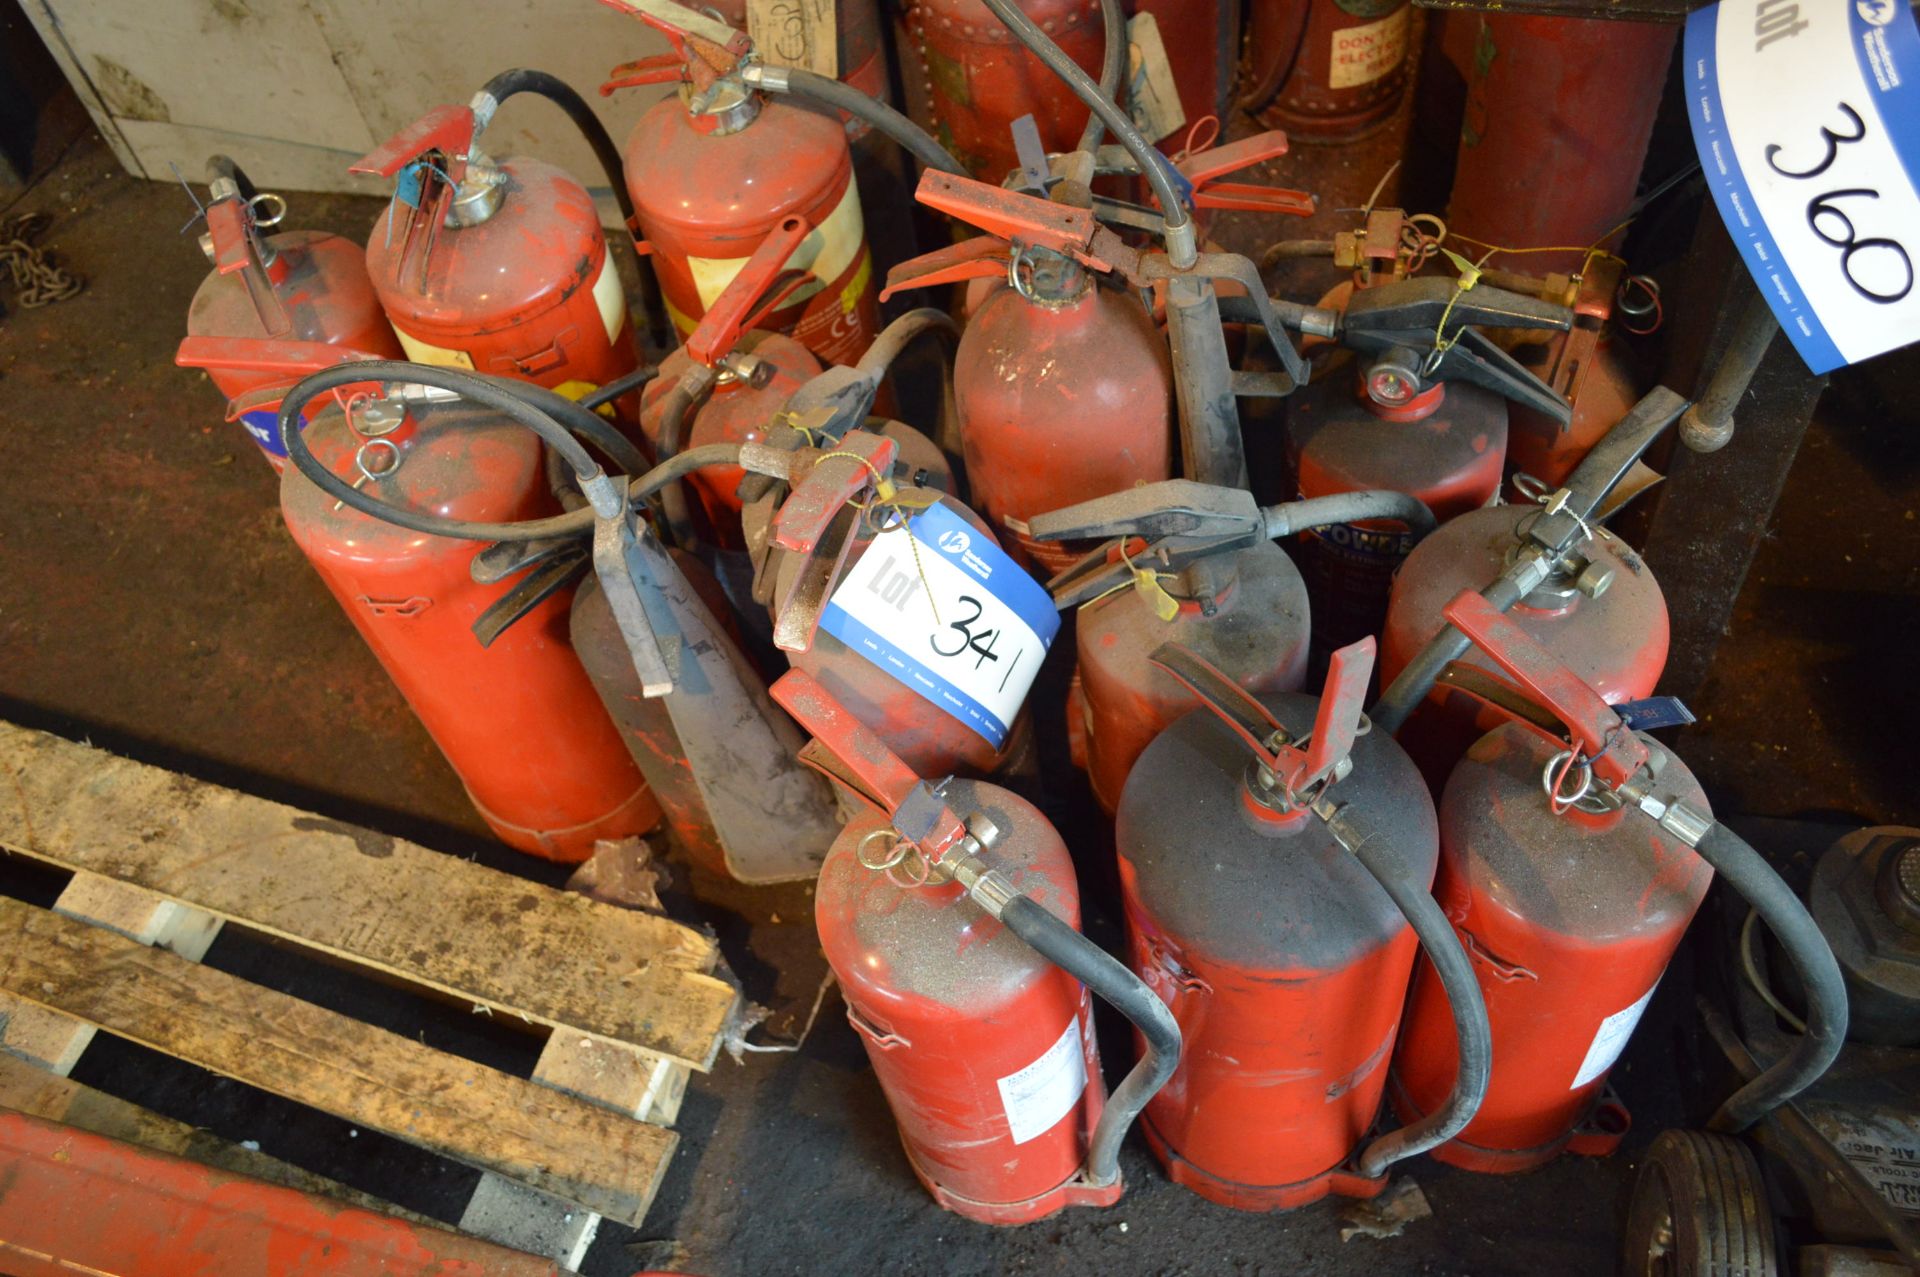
<point>162,862</point>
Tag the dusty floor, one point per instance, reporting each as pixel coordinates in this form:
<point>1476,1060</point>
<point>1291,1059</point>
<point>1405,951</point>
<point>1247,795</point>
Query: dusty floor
<point>151,601</point>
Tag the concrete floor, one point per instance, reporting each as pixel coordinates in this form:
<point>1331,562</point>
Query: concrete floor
<point>151,602</point>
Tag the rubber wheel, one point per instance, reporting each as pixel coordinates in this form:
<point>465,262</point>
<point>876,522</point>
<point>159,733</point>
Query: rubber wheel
<point>1699,1210</point>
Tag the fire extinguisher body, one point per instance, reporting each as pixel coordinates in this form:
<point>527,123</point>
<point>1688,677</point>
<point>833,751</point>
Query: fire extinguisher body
<point>1327,70</point>
<point>979,79</point>
<point>984,1048</point>
<point>322,285</point>
<point>1602,387</point>
<point>707,189</point>
<point>1120,700</point>
<point>735,412</point>
<point>1570,921</point>
<point>1615,642</point>
<point>518,720</point>
<point>1058,403</point>
<point>1284,962</point>
<point>1447,448</point>
<point>1558,115</point>
<point>528,291</point>
<point>928,740</point>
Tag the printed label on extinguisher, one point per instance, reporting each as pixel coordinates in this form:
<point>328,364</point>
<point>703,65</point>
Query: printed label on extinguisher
<point>1807,119</point>
<point>941,608</point>
<point>1045,1091</point>
<point>1610,1040</point>
<point>1365,53</point>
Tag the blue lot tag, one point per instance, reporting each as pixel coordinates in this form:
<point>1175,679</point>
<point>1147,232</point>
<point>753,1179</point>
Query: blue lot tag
<point>1653,713</point>
<point>950,616</point>
<point>1806,114</point>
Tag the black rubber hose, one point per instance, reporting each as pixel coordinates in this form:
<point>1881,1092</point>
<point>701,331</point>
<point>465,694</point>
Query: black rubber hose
<point>1113,61</point>
<point>618,388</point>
<point>1108,977</point>
<point>675,513</point>
<point>561,94</point>
<point>489,393</point>
<point>827,91</point>
<point>1350,507</point>
<point>583,423</point>
<point>1472,1031</point>
<point>1747,872</point>
<point>1149,161</point>
<point>903,332</point>
<point>1405,693</point>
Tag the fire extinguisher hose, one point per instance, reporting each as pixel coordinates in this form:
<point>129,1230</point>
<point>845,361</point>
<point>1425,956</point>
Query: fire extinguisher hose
<point>1350,507</point>
<point>561,94</point>
<point>1472,1030</point>
<point>1113,61</point>
<point>1747,872</point>
<point>1107,976</point>
<point>830,92</point>
<point>510,399</point>
<point>1405,693</point>
<point>618,388</point>
<point>1179,230</point>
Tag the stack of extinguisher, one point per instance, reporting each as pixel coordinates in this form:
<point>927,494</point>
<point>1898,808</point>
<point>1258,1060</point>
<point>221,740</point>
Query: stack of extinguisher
<point>742,592</point>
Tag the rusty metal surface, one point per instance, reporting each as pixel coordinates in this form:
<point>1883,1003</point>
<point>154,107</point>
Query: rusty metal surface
<point>1283,960</point>
<point>1570,919</point>
<point>518,720</point>
<point>1306,72</point>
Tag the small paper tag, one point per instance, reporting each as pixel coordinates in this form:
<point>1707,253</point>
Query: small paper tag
<point>1153,99</point>
<point>1609,1040</point>
<point>941,608</point>
<point>796,33</point>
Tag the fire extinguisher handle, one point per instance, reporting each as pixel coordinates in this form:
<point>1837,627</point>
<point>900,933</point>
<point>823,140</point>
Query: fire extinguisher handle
<point>1596,730</point>
<point>680,22</point>
<point>734,311</point>
<point>446,129</point>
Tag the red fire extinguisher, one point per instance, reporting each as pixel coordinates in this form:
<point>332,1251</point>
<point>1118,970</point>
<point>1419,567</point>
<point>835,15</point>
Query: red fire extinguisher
<point>293,286</point>
<point>1570,904</point>
<point>1558,115</point>
<point>1285,958</point>
<point>1596,606</point>
<point>518,719</point>
<point>1195,565</point>
<point>1063,389</point>
<point>1426,415</point>
<point>979,79</point>
<point>716,168</point>
<point>1327,70</point>
<point>955,940</point>
<point>496,266</point>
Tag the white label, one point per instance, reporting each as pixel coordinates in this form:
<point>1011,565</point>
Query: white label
<point>1883,1145</point>
<point>1363,54</point>
<point>1806,115</point>
<point>610,298</point>
<point>1153,100</point>
<point>1610,1040</point>
<point>941,608</point>
<point>825,254</point>
<point>1045,1091</point>
<point>796,33</point>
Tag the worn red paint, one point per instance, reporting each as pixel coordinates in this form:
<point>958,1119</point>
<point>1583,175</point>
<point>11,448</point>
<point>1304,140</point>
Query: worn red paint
<point>1327,71</point>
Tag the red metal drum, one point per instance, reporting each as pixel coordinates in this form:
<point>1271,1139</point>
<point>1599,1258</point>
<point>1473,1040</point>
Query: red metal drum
<point>519,721</point>
<point>1559,112</point>
<point>1060,399</point>
<point>1447,448</point>
<point>321,284</point>
<point>529,292</point>
<point>1327,70</point>
<point>980,79</point>
<point>984,1049</point>
<point>708,188</point>
<point>1120,700</point>
<point>1570,921</point>
<point>1616,643</point>
<point>1284,962</point>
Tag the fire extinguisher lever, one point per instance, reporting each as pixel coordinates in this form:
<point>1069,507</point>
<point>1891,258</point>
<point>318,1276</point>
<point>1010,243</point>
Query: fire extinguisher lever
<point>447,131</point>
<point>755,292</point>
<point>816,523</point>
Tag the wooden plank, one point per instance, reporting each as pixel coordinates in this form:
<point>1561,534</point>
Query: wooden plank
<point>26,1089</point>
<point>618,1076</point>
<point>514,946</point>
<point>531,1133</point>
<point>54,1041</point>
